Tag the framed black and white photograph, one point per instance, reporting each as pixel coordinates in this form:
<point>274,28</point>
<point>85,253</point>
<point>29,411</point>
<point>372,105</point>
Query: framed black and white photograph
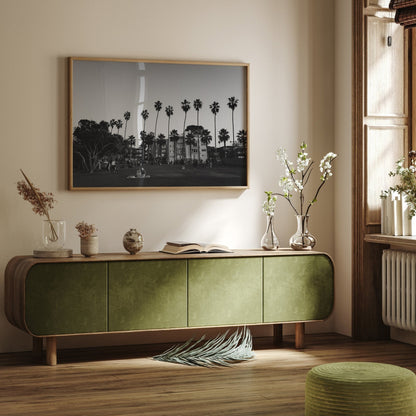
<point>157,124</point>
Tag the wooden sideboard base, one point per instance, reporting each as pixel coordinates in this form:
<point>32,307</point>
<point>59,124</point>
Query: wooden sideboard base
<point>51,356</point>
<point>300,335</point>
<point>37,347</point>
<point>118,293</point>
<point>277,334</point>
<point>51,349</point>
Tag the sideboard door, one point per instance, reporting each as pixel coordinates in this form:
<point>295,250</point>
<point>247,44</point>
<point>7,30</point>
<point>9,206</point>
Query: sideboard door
<point>147,295</point>
<point>225,291</point>
<point>66,298</point>
<point>298,288</point>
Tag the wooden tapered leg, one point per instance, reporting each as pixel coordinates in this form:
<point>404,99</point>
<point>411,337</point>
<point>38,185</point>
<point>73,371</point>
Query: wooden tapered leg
<point>300,335</point>
<point>51,351</point>
<point>277,334</point>
<point>37,344</point>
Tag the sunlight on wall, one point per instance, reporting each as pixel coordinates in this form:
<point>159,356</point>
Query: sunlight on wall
<point>291,98</point>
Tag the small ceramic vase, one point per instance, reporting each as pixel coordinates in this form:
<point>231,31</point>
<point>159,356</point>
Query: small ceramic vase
<point>89,246</point>
<point>133,241</point>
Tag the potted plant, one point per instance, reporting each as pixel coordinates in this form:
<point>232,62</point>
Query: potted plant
<point>88,238</point>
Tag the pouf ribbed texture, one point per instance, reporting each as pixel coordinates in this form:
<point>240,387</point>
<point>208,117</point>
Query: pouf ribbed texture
<point>360,389</point>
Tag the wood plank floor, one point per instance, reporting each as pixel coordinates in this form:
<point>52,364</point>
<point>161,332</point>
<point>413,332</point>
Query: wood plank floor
<point>125,381</point>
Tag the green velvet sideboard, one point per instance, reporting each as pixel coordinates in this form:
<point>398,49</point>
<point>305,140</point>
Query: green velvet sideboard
<point>113,293</point>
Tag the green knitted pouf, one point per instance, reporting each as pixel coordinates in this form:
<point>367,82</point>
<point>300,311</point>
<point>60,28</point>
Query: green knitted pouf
<point>360,389</point>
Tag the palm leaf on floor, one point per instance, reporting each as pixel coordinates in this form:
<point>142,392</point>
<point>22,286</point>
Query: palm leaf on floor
<point>220,351</point>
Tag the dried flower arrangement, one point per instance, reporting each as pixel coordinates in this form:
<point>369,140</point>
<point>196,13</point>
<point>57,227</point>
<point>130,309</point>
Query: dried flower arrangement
<point>41,202</point>
<point>86,230</point>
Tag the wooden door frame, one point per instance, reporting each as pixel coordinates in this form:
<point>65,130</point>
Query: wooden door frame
<point>357,158</point>
<point>366,257</point>
<point>367,321</point>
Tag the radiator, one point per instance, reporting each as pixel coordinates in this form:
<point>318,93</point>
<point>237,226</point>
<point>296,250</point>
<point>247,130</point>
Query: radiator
<point>399,289</point>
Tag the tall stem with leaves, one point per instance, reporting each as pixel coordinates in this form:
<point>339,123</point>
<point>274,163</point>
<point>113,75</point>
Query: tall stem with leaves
<point>296,178</point>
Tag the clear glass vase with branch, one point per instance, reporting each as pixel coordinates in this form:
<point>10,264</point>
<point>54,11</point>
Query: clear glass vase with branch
<point>295,180</point>
<point>269,240</point>
<point>42,203</point>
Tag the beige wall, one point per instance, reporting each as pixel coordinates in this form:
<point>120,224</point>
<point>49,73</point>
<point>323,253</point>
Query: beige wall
<point>343,180</point>
<point>290,46</point>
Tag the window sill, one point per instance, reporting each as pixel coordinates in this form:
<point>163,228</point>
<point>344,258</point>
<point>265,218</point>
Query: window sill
<point>399,241</point>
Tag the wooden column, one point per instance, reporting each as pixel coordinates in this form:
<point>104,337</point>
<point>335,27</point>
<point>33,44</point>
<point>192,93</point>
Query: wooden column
<point>51,351</point>
<point>300,335</point>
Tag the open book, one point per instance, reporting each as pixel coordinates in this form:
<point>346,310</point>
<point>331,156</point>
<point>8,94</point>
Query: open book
<point>183,247</point>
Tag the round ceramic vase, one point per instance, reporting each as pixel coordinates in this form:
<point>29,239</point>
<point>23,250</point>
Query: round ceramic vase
<point>133,241</point>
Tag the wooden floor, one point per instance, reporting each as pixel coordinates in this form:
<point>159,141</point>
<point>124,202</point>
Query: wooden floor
<point>125,381</point>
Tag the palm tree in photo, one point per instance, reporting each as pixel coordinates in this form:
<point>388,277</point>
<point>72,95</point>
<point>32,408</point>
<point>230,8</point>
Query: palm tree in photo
<point>169,113</point>
<point>160,142</point>
<point>131,141</point>
<point>143,143</point>
<point>112,124</point>
<point>119,125</point>
<point>194,134</point>
<point>197,107</point>
<point>232,104</point>
<point>174,137</point>
<point>127,118</point>
<point>223,136</point>
<point>242,138</point>
<point>158,106</point>
<point>206,138</point>
<point>185,105</point>
<point>215,108</point>
<point>145,116</point>
<point>150,144</point>
<point>190,141</point>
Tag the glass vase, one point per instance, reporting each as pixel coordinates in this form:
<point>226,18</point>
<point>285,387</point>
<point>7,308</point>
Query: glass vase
<point>53,234</point>
<point>269,240</point>
<point>302,239</point>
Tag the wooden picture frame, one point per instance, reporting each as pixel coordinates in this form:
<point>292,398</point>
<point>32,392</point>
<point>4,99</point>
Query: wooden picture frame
<point>146,124</point>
